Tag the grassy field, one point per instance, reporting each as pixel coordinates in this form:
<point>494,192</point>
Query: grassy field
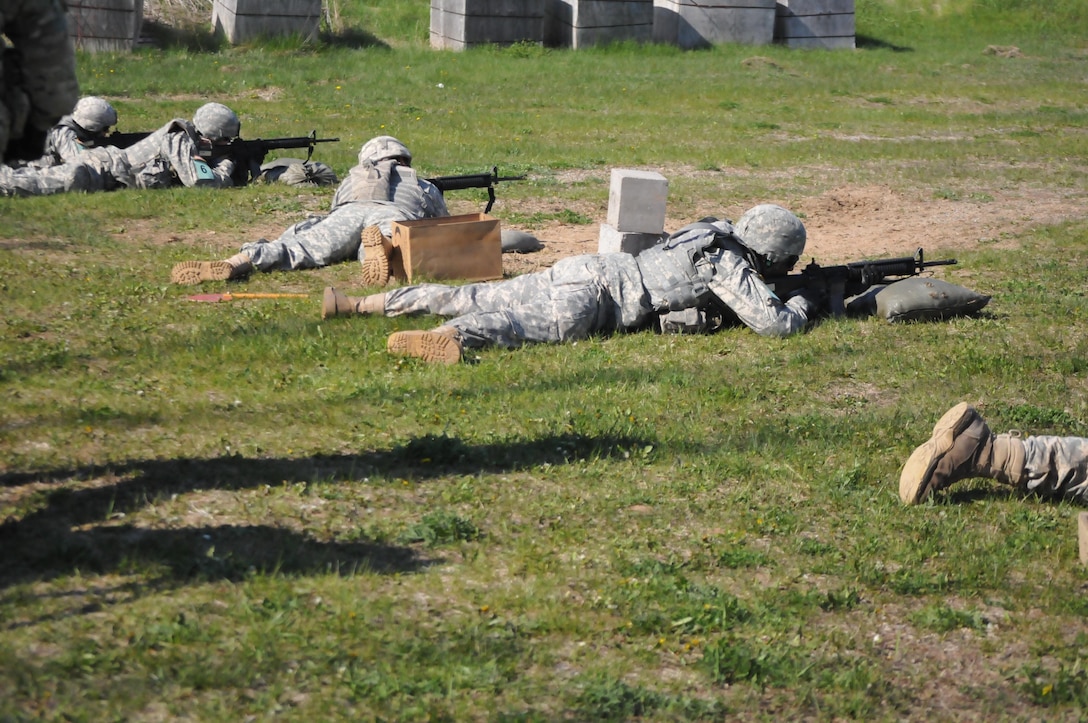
<point>240,512</point>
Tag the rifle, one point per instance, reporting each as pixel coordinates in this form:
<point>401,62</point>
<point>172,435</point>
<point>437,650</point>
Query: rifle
<point>247,154</point>
<point>124,140</point>
<point>478,180</point>
<point>839,282</point>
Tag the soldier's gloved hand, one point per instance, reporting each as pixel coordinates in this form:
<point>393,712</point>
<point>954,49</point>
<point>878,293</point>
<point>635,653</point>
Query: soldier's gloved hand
<point>226,165</point>
<point>815,301</point>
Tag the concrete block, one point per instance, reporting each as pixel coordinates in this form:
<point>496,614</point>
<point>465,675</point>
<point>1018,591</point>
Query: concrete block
<point>105,25</point>
<point>636,201</point>
<point>581,23</point>
<point>702,23</point>
<point>815,23</point>
<point>816,7</point>
<point>242,20</point>
<point>459,24</point>
<point>666,22</point>
<point>493,8</point>
<point>612,241</point>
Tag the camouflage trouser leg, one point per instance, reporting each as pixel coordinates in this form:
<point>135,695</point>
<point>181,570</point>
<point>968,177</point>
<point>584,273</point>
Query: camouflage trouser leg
<point>565,303</point>
<point>318,241</point>
<point>1057,466</point>
<point>66,178</point>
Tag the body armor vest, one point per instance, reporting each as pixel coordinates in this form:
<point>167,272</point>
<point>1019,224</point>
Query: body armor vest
<point>675,273</point>
<point>387,181</point>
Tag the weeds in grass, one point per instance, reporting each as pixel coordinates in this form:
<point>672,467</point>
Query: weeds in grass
<point>229,511</point>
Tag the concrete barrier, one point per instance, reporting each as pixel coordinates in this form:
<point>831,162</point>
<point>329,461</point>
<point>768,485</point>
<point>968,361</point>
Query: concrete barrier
<point>815,23</point>
<point>460,24</point>
<point>702,23</point>
<point>582,23</point>
<point>242,20</point>
<point>105,25</point>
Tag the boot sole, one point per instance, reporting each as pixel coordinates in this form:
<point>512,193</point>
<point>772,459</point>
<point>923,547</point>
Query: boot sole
<point>375,257</point>
<point>425,345</point>
<point>329,303</point>
<point>917,476</point>
<point>190,273</point>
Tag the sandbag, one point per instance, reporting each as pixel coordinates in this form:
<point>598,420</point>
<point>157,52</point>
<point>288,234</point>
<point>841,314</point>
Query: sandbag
<point>519,242</point>
<point>925,299</point>
<point>297,172</point>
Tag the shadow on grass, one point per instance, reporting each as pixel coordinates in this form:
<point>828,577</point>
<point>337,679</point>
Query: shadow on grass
<point>869,43</point>
<point>71,531</point>
<point>204,39</point>
<point>998,493</point>
<point>353,39</point>
<point>191,37</point>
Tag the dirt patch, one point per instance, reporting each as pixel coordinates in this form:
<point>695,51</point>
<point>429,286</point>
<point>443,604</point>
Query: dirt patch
<point>847,222</point>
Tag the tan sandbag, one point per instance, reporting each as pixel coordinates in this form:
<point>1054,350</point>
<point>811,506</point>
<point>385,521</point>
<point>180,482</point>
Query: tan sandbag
<point>297,172</point>
<point>925,299</point>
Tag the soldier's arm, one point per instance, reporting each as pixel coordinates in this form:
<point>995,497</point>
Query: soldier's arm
<point>192,170</point>
<point>64,145</point>
<point>738,286</point>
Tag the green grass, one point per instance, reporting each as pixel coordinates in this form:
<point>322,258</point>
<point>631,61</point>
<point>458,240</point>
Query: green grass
<point>221,511</point>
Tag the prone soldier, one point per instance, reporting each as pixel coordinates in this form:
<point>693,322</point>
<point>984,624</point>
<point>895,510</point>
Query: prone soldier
<point>602,293</point>
<point>382,188</point>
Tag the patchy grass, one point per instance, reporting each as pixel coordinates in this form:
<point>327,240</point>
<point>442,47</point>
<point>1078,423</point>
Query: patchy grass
<point>221,511</point>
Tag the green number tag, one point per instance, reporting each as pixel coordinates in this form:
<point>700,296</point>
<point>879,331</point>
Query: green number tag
<point>203,170</point>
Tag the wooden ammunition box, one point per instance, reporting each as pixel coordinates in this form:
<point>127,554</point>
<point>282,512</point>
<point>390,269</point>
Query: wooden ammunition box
<point>465,247</point>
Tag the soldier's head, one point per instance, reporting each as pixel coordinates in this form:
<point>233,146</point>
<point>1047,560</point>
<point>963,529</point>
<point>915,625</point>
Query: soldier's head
<point>94,115</point>
<point>384,148</point>
<point>217,122</point>
<point>774,233</point>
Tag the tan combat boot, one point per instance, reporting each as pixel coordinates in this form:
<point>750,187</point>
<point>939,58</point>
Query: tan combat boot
<point>961,447</point>
<point>441,345</point>
<point>376,250</point>
<point>189,273</point>
<point>335,303</point>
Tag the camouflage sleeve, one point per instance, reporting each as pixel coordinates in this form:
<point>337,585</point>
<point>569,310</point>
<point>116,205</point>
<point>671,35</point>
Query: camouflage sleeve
<point>192,170</point>
<point>47,61</point>
<point>433,200</point>
<point>64,145</point>
<point>738,286</point>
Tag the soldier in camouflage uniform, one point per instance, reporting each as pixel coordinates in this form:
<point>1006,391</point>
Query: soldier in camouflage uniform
<point>87,127</point>
<point>179,153</point>
<point>963,447</point>
<point>182,153</point>
<point>381,189</point>
<point>74,158</point>
<point>38,83</point>
<point>595,293</point>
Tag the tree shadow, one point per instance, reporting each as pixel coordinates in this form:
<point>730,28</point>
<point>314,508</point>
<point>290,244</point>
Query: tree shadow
<point>71,529</point>
<point>353,39</point>
<point>187,36</point>
<point>201,38</point>
<point>867,42</point>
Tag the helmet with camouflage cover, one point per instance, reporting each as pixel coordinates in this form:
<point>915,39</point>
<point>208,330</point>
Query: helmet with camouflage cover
<point>774,233</point>
<point>216,121</point>
<point>94,115</point>
<point>383,148</point>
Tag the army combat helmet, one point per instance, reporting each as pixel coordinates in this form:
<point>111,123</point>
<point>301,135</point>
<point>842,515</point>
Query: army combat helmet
<point>774,233</point>
<point>94,115</point>
<point>384,148</point>
<point>217,122</point>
